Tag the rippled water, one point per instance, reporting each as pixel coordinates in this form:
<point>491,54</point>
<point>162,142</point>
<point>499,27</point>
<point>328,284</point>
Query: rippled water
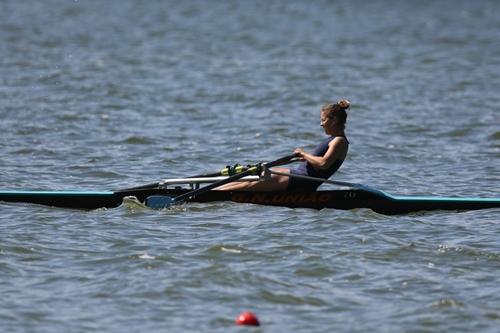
<point>109,94</point>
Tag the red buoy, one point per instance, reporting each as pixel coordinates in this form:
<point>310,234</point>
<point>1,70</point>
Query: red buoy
<point>247,318</point>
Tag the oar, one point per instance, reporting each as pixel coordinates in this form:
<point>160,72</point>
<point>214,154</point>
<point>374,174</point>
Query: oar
<point>163,201</point>
<point>224,172</point>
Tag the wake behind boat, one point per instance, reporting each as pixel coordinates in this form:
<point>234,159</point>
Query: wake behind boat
<point>349,196</point>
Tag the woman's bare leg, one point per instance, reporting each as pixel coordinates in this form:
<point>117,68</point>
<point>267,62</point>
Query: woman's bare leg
<point>273,183</point>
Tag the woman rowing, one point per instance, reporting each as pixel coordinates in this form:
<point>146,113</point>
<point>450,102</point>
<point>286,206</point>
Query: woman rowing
<point>322,163</point>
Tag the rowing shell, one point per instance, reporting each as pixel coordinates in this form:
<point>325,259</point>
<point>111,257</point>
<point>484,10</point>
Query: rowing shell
<point>364,197</point>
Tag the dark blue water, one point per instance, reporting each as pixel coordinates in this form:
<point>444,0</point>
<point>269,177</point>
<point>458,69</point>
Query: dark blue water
<point>98,95</point>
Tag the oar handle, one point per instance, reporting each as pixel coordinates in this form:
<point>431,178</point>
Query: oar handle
<point>280,161</point>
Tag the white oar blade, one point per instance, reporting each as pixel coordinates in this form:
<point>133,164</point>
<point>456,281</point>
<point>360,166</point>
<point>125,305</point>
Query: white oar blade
<point>159,201</point>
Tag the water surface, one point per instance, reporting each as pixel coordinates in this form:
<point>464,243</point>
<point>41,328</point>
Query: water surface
<point>102,95</point>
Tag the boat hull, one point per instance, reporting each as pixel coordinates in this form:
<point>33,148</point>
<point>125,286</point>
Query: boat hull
<point>378,201</point>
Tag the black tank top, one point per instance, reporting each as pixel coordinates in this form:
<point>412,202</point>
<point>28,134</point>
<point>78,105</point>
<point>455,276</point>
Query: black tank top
<point>306,169</point>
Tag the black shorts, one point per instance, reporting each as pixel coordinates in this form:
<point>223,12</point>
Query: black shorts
<point>300,184</point>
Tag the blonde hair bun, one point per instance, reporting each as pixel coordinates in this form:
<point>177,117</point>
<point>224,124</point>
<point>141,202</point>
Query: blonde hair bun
<point>344,104</point>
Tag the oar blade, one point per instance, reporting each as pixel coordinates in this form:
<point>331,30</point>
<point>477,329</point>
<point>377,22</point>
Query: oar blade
<point>159,201</point>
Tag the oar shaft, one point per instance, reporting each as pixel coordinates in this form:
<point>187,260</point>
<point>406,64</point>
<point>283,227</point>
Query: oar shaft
<point>214,174</point>
<point>281,161</point>
<point>231,179</point>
